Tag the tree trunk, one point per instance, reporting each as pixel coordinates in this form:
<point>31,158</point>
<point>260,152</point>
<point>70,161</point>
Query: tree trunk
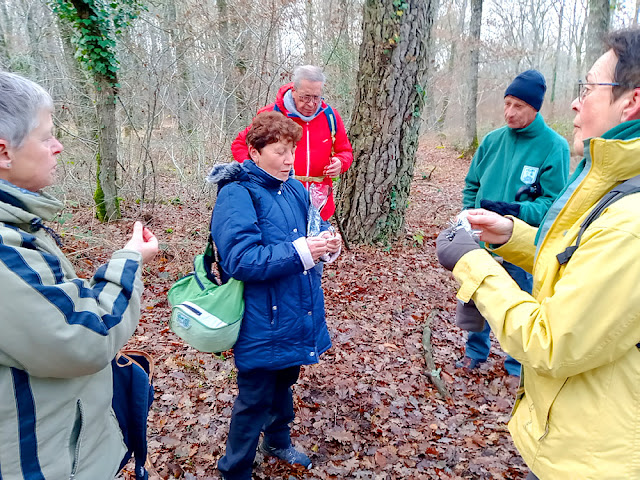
<point>386,118</point>
<point>106,195</point>
<point>229,111</point>
<point>450,68</point>
<point>557,57</point>
<point>185,111</point>
<point>471,131</point>
<point>598,26</point>
<point>84,115</point>
<point>309,32</point>
<point>6,31</point>
<point>430,104</point>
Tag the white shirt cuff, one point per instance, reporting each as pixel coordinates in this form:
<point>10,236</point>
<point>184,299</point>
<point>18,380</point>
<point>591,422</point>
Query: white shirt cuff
<point>300,244</point>
<point>330,257</point>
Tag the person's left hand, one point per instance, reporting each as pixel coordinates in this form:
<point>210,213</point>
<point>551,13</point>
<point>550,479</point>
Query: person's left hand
<point>334,168</point>
<point>451,251</point>
<point>334,241</point>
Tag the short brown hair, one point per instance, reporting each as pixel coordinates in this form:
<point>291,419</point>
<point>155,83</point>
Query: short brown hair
<point>626,45</point>
<point>272,127</point>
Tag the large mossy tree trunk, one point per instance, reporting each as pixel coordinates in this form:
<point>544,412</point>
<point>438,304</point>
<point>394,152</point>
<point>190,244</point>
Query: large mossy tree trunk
<point>106,195</point>
<point>386,119</point>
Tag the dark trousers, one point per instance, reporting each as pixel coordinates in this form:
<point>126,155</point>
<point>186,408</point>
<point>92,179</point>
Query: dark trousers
<point>264,404</point>
<point>531,476</point>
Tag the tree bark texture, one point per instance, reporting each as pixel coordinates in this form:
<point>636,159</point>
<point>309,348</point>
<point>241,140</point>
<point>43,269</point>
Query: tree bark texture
<point>556,60</point>
<point>598,26</point>
<point>108,149</point>
<point>386,118</point>
<point>471,128</point>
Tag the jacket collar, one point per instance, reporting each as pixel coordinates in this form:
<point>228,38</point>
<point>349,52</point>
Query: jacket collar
<point>609,160</point>
<point>258,176</point>
<point>224,173</point>
<point>533,129</point>
<point>614,156</point>
<point>20,206</point>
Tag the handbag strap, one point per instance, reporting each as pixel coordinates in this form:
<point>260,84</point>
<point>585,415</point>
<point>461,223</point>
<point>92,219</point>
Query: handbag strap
<point>212,262</point>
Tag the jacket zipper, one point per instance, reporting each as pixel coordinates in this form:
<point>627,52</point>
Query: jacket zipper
<point>77,452</point>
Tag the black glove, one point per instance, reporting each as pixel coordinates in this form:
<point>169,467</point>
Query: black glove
<point>532,191</point>
<point>502,208</point>
<point>451,249</point>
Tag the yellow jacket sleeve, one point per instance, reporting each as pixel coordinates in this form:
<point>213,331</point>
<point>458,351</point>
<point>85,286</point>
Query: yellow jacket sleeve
<point>587,314</point>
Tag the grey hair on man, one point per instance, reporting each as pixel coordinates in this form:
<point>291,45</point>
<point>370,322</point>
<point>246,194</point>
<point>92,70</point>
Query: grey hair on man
<point>311,73</point>
<point>21,102</point>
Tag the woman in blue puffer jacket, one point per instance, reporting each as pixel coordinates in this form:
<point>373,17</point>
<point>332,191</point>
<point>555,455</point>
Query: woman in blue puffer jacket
<point>259,225</point>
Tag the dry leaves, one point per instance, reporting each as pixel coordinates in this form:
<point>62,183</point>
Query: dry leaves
<point>367,410</point>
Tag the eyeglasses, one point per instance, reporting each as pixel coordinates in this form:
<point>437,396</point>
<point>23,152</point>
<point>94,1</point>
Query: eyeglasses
<point>313,99</point>
<point>583,91</point>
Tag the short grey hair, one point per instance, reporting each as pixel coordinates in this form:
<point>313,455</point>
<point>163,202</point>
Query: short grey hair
<point>311,73</point>
<point>21,102</point>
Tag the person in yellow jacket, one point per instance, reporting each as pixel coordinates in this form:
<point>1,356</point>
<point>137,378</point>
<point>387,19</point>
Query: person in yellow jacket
<point>577,412</point>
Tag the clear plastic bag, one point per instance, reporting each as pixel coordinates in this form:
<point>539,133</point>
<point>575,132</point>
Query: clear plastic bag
<point>461,223</point>
<point>318,195</point>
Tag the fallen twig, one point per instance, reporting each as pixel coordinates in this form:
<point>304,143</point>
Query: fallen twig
<point>432,372</point>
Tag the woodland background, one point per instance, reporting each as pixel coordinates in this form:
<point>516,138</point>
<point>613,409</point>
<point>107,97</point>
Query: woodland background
<point>191,74</point>
<point>148,96</point>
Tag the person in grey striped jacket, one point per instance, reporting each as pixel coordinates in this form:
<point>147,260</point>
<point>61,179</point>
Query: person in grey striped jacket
<point>58,333</point>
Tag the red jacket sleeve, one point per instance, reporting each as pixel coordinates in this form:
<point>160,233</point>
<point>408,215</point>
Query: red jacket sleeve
<point>342,147</point>
<point>239,148</point>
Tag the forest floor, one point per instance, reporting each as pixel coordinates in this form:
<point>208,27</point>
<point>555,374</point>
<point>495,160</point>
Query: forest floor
<point>368,409</point>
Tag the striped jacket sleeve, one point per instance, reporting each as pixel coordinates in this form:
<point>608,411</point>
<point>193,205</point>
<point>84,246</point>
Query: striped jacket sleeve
<point>55,324</point>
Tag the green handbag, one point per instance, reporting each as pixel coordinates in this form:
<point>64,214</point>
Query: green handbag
<point>205,313</point>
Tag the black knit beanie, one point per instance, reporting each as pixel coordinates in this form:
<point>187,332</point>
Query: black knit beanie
<point>529,87</point>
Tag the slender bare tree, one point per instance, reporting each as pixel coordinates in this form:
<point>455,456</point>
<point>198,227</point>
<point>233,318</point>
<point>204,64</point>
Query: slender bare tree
<point>598,26</point>
<point>471,129</point>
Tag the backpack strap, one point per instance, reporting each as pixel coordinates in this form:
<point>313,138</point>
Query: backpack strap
<point>626,188</point>
<point>331,119</point>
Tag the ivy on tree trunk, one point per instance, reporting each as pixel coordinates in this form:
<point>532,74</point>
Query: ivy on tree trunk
<point>96,25</point>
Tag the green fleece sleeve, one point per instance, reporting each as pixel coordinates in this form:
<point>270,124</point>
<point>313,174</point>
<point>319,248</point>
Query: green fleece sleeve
<point>553,177</point>
<point>472,181</point>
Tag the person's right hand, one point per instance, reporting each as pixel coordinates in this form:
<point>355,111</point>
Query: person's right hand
<point>494,228</point>
<point>317,247</point>
<point>144,241</point>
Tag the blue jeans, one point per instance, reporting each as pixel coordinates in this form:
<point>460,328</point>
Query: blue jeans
<point>264,404</point>
<point>479,343</point>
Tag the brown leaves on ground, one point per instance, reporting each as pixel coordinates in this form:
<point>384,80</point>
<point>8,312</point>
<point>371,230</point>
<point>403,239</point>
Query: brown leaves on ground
<point>367,410</point>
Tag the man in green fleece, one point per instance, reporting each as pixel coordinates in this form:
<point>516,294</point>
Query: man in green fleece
<point>518,170</point>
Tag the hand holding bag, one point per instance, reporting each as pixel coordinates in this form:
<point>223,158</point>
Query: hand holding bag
<point>206,313</point>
